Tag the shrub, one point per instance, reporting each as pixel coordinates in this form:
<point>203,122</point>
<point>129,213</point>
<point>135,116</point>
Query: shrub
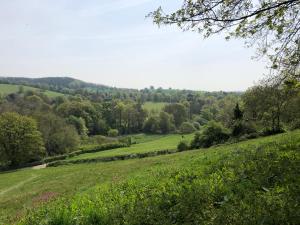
<point>183,145</point>
<point>187,128</point>
<point>113,133</point>
<point>241,127</point>
<point>212,133</point>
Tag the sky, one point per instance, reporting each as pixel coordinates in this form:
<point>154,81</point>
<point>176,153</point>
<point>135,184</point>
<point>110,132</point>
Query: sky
<point>111,42</point>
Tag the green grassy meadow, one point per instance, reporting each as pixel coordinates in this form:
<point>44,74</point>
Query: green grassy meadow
<point>154,107</point>
<point>6,89</point>
<point>33,189</point>
<point>147,143</point>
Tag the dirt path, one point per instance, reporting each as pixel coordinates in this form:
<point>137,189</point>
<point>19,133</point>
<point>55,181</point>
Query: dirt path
<point>18,185</point>
<point>43,166</point>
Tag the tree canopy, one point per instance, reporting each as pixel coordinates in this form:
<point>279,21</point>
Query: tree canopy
<point>20,140</point>
<point>270,25</point>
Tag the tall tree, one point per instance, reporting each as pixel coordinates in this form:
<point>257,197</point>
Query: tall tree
<point>20,140</point>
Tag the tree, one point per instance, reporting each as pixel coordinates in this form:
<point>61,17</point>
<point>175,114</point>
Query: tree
<point>79,124</point>
<point>211,134</point>
<point>166,123</point>
<point>20,140</point>
<point>187,128</point>
<point>264,104</point>
<point>59,137</point>
<point>272,25</point>
<point>237,113</point>
<point>151,125</point>
<point>178,111</point>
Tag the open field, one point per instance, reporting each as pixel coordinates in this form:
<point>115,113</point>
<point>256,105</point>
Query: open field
<point>155,107</point>
<point>29,188</point>
<point>148,143</point>
<point>6,89</point>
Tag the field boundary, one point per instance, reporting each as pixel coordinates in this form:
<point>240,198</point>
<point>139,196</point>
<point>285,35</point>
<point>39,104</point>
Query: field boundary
<point>115,158</point>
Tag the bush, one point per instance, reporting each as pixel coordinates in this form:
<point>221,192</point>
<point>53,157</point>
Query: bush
<point>113,133</point>
<point>187,128</point>
<point>213,133</point>
<point>183,145</point>
<point>241,127</point>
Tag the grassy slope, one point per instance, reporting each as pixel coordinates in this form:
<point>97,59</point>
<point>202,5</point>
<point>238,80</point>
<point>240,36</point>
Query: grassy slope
<point>28,188</point>
<point>10,88</point>
<point>152,143</point>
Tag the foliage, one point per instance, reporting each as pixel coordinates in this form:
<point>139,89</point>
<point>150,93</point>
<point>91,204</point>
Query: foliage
<point>20,141</point>
<point>211,134</point>
<point>59,137</point>
<point>151,125</point>
<point>166,123</point>
<point>79,124</point>
<point>178,111</point>
<point>241,127</point>
<point>113,133</point>
<point>187,128</point>
<point>183,145</point>
<point>270,105</point>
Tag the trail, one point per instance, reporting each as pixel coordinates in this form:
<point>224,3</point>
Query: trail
<point>43,166</point>
<point>18,185</point>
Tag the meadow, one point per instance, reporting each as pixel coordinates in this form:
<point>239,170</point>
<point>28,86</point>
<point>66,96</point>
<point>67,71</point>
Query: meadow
<point>154,107</point>
<point>146,143</point>
<point>34,189</point>
<point>6,89</point>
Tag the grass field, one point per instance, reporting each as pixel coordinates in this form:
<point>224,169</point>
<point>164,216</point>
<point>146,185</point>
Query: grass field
<point>6,89</point>
<point>147,143</point>
<point>29,188</point>
<point>154,107</point>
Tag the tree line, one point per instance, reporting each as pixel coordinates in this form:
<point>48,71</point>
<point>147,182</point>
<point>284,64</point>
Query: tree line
<point>58,125</point>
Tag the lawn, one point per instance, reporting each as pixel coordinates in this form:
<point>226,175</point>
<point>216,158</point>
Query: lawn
<point>6,89</point>
<point>29,188</point>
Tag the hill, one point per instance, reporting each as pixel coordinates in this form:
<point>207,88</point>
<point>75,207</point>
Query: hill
<point>52,83</point>
<point>68,85</point>
<point>6,89</point>
<point>220,184</point>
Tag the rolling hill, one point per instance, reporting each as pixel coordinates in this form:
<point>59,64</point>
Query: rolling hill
<point>6,89</point>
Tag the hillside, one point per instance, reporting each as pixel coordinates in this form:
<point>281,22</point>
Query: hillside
<point>224,180</point>
<point>6,89</point>
<point>61,84</point>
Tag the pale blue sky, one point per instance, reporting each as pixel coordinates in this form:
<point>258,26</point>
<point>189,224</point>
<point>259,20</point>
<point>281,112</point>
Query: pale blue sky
<point>110,42</point>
